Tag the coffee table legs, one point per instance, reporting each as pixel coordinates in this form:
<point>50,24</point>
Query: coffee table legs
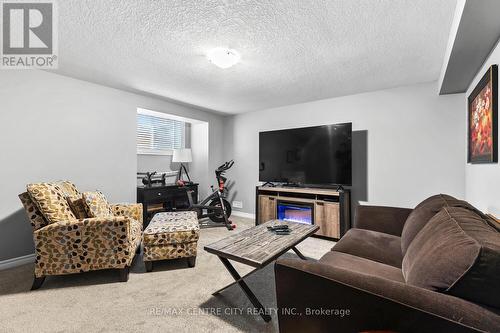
<point>233,283</point>
<point>239,280</point>
<point>251,296</point>
<point>299,254</point>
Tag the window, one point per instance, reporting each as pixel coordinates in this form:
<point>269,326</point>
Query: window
<point>157,134</point>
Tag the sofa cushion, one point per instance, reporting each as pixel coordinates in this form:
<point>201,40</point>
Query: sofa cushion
<point>36,217</point>
<point>97,205</point>
<point>68,188</point>
<point>423,212</point>
<point>172,228</point>
<point>362,265</point>
<point>50,201</point>
<point>373,245</point>
<point>457,252</point>
<point>78,206</point>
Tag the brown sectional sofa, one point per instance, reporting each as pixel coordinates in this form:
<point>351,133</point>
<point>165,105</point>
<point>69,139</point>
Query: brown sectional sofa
<point>435,268</point>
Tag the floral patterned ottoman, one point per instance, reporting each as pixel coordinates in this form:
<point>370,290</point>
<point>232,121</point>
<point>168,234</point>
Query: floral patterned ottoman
<point>171,235</point>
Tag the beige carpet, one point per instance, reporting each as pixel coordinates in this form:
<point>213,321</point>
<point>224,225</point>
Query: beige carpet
<point>173,298</point>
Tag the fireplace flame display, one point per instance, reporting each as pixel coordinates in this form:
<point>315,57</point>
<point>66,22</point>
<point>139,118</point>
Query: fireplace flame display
<point>295,212</point>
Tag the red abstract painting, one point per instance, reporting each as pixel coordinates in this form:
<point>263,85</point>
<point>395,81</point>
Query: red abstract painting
<point>482,120</point>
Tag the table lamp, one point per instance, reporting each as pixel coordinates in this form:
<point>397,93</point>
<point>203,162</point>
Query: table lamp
<point>182,156</point>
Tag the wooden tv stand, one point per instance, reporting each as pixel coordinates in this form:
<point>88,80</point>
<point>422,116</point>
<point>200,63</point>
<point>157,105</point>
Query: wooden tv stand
<point>331,210</point>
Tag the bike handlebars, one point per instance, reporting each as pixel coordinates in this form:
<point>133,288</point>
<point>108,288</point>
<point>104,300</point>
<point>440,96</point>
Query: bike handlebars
<point>225,166</point>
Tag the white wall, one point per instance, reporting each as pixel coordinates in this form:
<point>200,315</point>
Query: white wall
<point>53,127</point>
<point>201,153</point>
<point>415,145</point>
<point>482,181</point>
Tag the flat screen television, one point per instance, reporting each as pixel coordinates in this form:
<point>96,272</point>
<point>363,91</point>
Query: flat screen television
<point>319,155</point>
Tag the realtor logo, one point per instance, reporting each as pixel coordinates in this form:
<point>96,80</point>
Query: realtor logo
<point>29,38</point>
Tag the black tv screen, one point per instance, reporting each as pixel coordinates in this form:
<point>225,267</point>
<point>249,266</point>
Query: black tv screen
<point>319,155</point>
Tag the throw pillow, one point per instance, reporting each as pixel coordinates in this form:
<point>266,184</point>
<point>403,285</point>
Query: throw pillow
<point>422,214</point>
<point>97,205</point>
<point>457,252</point>
<point>68,188</point>
<point>78,206</point>
<point>36,217</point>
<point>51,202</point>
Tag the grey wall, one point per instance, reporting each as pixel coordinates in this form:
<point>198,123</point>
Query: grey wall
<point>201,155</point>
<point>473,34</point>
<point>159,163</point>
<point>482,181</point>
<point>146,162</point>
<point>53,127</point>
<point>409,143</point>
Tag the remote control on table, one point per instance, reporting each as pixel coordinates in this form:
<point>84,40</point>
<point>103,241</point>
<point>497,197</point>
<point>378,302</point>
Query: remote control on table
<point>278,227</point>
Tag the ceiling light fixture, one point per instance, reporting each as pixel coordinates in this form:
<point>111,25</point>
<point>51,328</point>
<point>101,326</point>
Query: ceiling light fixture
<point>223,57</point>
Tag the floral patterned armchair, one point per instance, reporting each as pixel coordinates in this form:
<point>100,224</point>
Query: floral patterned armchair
<point>67,242</point>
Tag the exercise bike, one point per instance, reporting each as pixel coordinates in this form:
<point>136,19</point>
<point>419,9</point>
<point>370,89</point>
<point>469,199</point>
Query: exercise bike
<point>215,206</point>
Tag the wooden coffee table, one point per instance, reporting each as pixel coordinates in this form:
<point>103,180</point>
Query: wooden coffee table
<point>258,247</point>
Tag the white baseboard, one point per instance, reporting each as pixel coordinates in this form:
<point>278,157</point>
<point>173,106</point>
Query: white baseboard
<point>14,262</point>
<point>243,214</point>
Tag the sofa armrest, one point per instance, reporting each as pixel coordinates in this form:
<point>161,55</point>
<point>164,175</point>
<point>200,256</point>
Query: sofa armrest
<point>80,245</point>
<point>389,220</point>
<point>134,211</point>
<point>307,290</point>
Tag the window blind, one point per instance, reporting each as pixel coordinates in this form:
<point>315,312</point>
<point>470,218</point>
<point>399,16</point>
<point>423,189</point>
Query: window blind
<point>159,135</point>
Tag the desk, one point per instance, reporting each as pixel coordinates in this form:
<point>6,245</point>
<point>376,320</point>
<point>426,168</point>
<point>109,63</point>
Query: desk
<point>164,198</point>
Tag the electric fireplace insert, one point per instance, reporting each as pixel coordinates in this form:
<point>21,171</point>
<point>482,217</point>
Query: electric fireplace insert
<point>295,212</point>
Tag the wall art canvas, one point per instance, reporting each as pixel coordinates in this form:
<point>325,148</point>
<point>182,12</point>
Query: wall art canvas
<point>483,119</point>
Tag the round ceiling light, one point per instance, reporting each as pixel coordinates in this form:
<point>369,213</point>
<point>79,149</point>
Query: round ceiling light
<point>223,57</point>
